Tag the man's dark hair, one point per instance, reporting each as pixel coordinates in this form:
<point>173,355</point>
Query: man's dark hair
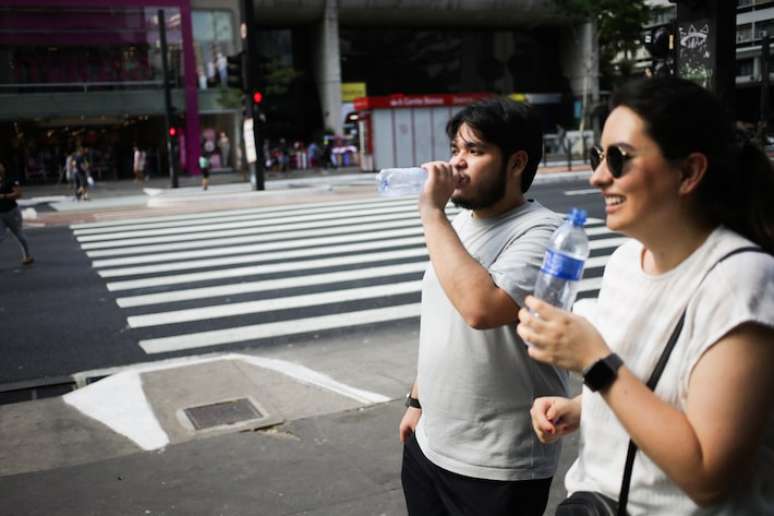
<point>510,126</point>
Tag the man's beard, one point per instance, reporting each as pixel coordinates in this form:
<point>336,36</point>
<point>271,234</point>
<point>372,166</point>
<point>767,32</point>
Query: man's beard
<point>489,195</point>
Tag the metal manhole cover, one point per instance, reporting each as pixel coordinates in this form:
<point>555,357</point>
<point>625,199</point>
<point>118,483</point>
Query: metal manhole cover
<point>223,413</point>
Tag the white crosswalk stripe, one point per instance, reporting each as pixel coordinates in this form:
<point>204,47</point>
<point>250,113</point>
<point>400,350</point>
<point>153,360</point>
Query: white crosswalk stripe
<point>251,276</point>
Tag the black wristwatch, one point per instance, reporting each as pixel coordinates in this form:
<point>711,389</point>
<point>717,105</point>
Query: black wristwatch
<point>412,402</point>
<point>601,373</point>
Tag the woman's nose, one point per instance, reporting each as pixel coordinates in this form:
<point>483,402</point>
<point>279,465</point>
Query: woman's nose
<point>600,175</point>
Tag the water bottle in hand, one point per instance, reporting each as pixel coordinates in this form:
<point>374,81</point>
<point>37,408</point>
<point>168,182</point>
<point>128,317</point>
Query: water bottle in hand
<point>401,181</point>
<point>563,264</point>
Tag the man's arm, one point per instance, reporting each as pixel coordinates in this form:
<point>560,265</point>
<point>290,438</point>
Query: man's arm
<point>467,284</point>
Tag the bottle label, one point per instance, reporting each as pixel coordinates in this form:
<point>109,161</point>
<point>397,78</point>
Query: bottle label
<point>562,266</point>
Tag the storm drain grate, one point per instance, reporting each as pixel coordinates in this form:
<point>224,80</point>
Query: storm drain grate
<point>223,413</point>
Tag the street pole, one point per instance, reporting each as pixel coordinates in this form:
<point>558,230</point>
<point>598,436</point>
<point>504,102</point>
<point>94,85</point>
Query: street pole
<point>252,109</point>
<point>764,121</point>
<point>706,46</point>
<point>167,100</point>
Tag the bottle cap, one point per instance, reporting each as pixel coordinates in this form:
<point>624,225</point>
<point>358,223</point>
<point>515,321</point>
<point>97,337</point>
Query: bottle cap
<point>577,216</point>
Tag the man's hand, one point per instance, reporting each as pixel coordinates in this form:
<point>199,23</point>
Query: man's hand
<point>441,182</point>
<point>409,422</point>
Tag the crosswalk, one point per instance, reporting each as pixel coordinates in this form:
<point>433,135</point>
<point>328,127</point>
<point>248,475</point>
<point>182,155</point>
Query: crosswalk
<point>266,274</point>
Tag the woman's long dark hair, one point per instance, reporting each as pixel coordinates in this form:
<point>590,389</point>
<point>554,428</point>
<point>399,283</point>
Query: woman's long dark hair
<point>682,117</point>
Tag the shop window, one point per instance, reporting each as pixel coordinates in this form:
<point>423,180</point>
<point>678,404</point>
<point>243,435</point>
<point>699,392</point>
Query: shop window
<point>213,42</point>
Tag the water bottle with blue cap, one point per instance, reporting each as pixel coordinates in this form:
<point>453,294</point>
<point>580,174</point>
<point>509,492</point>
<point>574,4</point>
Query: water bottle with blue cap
<point>563,264</point>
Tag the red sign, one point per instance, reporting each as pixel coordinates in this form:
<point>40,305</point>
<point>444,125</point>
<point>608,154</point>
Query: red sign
<point>410,101</point>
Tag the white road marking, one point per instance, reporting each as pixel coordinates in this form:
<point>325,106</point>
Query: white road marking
<point>267,285</point>
<point>584,191</point>
<point>285,231</point>
<point>273,246</point>
<point>280,223</point>
<point>267,305</point>
<point>157,268</point>
<point>240,272</point>
<point>195,218</point>
<point>261,331</point>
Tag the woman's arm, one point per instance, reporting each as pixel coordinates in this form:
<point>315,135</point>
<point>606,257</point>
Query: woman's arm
<point>704,449</point>
<point>710,446</point>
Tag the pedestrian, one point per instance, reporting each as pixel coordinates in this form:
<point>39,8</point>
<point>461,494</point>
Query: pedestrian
<point>675,180</point>
<point>81,183</point>
<point>468,445</point>
<point>224,146</point>
<point>204,166</point>
<point>138,164</point>
<point>10,214</point>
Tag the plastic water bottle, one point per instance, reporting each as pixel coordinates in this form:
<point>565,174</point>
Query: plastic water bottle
<point>401,181</point>
<point>563,264</point>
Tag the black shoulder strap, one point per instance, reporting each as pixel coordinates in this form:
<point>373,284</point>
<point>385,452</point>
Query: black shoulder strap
<point>623,496</point>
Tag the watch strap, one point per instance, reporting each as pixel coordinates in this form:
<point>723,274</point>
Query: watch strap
<point>602,372</point>
<point>412,402</point>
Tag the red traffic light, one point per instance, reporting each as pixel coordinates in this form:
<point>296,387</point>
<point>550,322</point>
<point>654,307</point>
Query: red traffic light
<point>173,131</point>
<point>257,97</point>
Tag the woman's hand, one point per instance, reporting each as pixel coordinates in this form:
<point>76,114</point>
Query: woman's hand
<point>408,423</point>
<point>559,337</point>
<point>554,417</point>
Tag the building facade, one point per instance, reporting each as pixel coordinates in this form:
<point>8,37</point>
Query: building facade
<point>89,73</point>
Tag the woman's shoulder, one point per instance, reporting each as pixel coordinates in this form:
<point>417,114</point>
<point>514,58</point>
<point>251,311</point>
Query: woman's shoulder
<point>737,257</point>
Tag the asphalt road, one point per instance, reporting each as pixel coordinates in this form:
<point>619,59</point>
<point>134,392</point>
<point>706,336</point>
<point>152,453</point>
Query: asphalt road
<point>61,317</point>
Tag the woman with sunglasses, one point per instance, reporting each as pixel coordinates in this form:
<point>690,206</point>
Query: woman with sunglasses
<point>675,180</point>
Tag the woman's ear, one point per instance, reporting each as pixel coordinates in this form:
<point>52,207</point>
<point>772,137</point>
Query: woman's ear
<point>692,171</point>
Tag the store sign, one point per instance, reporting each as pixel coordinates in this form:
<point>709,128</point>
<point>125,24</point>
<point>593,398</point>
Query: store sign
<point>247,131</point>
<point>411,101</point>
<point>352,90</point>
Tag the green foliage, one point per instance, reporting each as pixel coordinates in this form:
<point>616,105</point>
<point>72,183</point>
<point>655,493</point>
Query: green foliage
<point>276,77</point>
<point>619,27</point>
<point>229,98</point>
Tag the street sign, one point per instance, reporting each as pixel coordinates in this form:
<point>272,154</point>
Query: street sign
<point>249,138</point>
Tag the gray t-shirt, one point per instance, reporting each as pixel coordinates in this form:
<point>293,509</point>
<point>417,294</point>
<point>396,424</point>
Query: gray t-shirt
<point>477,386</point>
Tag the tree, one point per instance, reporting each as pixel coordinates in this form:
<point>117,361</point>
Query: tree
<point>619,30</point>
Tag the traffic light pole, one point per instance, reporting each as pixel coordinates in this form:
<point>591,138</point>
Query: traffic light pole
<point>253,111</point>
<point>706,50</point>
<point>764,121</point>
<point>167,100</point>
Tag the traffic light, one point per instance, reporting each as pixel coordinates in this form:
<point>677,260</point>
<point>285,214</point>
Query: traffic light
<point>173,132</point>
<point>257,97</point>
<point>235,67</point>
<point>660,43</point>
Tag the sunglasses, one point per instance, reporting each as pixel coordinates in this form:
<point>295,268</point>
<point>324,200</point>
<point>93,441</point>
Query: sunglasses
<point>616,158</point>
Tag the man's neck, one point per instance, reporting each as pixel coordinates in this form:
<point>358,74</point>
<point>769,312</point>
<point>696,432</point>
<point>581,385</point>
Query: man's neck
<point>504,205</point>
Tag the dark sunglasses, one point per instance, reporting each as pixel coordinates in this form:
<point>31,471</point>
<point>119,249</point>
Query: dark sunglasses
<point>616,159</point>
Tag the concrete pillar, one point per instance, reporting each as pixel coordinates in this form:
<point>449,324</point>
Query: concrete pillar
<point>580,63</point>
<point>328,67</point>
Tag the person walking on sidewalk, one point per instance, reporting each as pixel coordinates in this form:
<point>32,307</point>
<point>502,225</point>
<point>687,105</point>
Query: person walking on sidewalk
<point>676,180</point>
<point>204,166</point>
<point>81,182</point>
<point>10,214</point>
<point>468,442</point>
<point>138,164</point>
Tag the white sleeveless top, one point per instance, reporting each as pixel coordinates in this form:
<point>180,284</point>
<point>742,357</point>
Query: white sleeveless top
<point>636,314</point>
